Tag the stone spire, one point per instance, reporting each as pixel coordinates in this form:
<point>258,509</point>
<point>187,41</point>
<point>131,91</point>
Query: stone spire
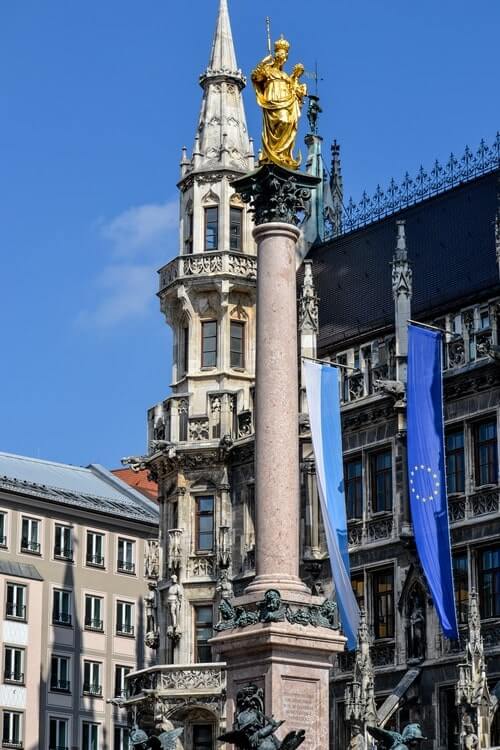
<point>360,705</point>
<point>222,138</point>
<point>402,293</point>
<point>336,189</point>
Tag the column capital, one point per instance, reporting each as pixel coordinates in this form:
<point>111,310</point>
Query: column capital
<point>276,194</point>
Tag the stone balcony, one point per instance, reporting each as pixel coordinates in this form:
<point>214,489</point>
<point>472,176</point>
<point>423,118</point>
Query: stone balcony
<point>484,502</point>
<point>216,264</point>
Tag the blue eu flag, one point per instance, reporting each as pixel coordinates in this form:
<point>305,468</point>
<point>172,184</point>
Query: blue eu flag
<point>426,471</point>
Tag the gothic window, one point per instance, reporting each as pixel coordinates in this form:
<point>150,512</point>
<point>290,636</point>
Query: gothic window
<point>236,223</point>
<point>358,586</point>
<point>489,576</point>
<point>455,461</point>
<point>381,481</point>
<point>344,380</point>
<point>486,461</point>
<point>188,232</point>
<point>184,350</point>
<point>237,344</point>
<point>205,523</point>
<point>211,228</point>
<point>209,343</point>
<point>461,580</point>
<point>203,632</point>
<point>353,488</point>
<point>202,737</point>
<point>383,604</point>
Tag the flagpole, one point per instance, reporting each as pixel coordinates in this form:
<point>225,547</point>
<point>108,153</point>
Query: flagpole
<point>327,362</point>
<point>433,328</point>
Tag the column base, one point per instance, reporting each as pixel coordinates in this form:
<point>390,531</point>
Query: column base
<point>285,584</point>
<point>291,663</point>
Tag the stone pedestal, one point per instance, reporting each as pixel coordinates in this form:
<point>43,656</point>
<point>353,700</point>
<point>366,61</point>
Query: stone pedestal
<point>284,644</point>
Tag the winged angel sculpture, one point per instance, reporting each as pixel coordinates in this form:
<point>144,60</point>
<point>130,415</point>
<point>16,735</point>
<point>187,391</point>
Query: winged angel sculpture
<point>253,730</point>
<point>411,737</point>
<point>163,741</point>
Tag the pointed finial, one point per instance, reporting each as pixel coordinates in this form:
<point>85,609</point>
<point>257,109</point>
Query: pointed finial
<point>401,230</point>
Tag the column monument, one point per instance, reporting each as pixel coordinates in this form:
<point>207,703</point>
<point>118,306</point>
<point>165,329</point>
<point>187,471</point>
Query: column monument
<point>277,636</point>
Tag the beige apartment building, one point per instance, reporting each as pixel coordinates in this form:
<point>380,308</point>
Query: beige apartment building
<point>78,548</point>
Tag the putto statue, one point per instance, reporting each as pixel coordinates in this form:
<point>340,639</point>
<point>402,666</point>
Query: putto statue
<point>280,95</point>
<point>253,730</point>
<point>411,737</point>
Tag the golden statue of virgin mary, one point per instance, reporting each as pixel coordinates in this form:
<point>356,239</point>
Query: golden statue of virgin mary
<point>280,95</point>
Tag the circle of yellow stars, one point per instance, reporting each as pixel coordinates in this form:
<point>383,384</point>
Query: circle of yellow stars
<point>417,473</point>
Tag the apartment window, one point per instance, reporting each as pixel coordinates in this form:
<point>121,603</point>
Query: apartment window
<point>236,223</point>
<point>60,674</point>
<point>205,523</point>
<point>485,434</point>
<point>30,536</point>
<point>90,736</point>
<point>354,488</point>
<point>3,529</point>
<point>120,674</point>
<point>124,618</point>
<point>209,343</point>
<point>203,737</point>
<point>121,738</point>
<point>126,562</point>
<point>58,734</point>
<point>489,573</point>
<point>237,345</point>
<point>94,612</point>
<point>95,549</point>
<point>63,545</point>
<point>13,669</point>
<point>381,481</point>
<point>203,632</point>
<point>185,350</point>
<point>16,601</point>
<point>211,228</point>
<point>12,729</point>
<point>358,586</point>
<point>461,580</point>
<point>383,604</point>
<point>61,607</point>
<point>455,461</point>
<point>92,678</point>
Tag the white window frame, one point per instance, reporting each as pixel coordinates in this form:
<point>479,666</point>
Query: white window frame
<point>122,626</point>
<point>31,538</point>
<point>91,725</point>
<point>18,587</point>
<point>127,559</point>
<point>59,679</point>
<point>122,670</point>
<point>124,743</point>
<point>97,603</point>
<point>93,545</point>
<point>59,721</point>
<point>64,544</point>
<point>12,658</point>
<point>65,613</point>
<point>4,531</point>
<point>13,741</point>
<point>94,669</point>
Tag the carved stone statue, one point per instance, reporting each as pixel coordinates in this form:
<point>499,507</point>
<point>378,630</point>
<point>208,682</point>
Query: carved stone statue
<point>253,730</point>
<point>162,741</point>
<point>174,601</point>
<point>411,737</point>
<point>152,637</point>
<point>415,633</point>
<point>468,737</point>
<point>357,738</point>
<point>271,609</point>
<point>280,95</point>
<point>224,586</point>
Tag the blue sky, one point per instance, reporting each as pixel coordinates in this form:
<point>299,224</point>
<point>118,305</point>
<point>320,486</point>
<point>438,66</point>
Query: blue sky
<point>97,99</point>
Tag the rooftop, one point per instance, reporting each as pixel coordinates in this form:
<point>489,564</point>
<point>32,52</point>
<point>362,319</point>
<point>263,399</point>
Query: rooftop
<point>94,487</point>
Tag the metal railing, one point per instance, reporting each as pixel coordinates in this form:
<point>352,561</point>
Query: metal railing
<point>14,677</point>
<point>13,609</point>
<point>66,553</point>
<point>61,618</point>
<point>124,566</point>
<point>90,688</point>
<point>63,685</point>
<point>96,560</point>
<point>93,624</point>
<point>27,545</point>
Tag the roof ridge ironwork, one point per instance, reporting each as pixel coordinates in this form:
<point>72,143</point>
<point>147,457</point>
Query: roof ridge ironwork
<point>413,190</point>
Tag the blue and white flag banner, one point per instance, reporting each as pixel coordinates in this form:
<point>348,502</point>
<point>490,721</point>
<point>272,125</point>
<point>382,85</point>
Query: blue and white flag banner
<point>323,398</point>
<point>426,471</point>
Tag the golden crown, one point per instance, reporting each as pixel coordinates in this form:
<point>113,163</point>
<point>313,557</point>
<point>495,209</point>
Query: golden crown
<point>282,44</point>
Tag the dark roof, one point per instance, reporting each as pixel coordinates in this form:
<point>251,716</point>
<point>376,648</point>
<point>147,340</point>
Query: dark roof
<point>19,570</point>
<point>451,246</point>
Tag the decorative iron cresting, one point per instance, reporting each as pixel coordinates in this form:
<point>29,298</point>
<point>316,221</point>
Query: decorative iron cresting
<point>412,190</point>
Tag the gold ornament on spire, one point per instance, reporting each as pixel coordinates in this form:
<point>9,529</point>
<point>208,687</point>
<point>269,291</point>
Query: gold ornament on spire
<point>280,95</point>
